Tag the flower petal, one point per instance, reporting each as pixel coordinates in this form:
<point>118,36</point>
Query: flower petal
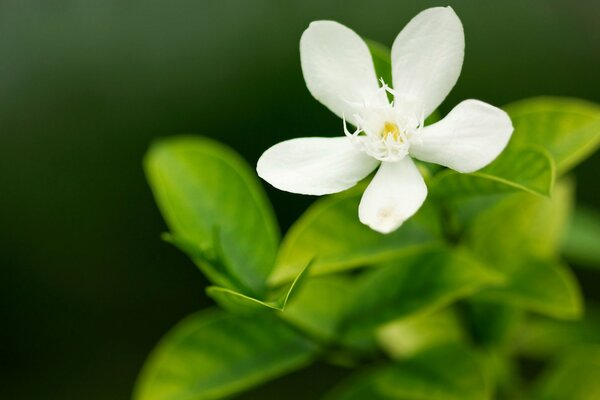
<point>427,57</point>
<point>314,166</point>
<point>470,137</point>
<point>396,192</point>
<point>338,69</point>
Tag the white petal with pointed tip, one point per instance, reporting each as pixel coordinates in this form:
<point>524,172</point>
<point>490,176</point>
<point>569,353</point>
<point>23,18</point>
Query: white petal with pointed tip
<point>470,137</point>
<point>427,57</point>
<point>338,69</point>
<point>396,192</point>
<point>314,166</point>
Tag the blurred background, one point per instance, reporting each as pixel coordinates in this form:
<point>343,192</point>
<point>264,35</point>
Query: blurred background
<point>86,285</point>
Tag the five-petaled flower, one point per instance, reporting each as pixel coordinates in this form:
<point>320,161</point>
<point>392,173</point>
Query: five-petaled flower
<point>427,57</point>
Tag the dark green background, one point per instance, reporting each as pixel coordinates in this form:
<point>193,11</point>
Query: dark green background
<point>86,286</point>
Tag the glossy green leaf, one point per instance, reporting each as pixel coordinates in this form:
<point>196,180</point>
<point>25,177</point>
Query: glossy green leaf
<point>529,168</point>
<point>211,355</point>
<point>449,372</point>
<point>330,232</point>
<point>582,240</point>
<point>519,235</point>
<point>573,376</point>
<point>240,303</point>
<point>414,285</point>
<point>213,204</point>
<point>568,128</point>
<point>520,226</point>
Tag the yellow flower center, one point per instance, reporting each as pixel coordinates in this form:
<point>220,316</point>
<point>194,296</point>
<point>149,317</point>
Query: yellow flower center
<point>391,129</point>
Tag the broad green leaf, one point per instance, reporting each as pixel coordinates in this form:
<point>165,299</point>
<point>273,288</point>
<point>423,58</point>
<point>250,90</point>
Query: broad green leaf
<point>573,376</point>
<point>528,168</point>
<point>542,286</point>
<point>582,241</point>
<point>519,235</point>
<point>568,128</point>
<point>214,205</point>
<point>520,226</point>
<point>413,285</point>
<point>330,232</point>
<point>544,337</point>
<point>449,372</point>
<point>319,305</point>
<point>240,303</point>
<point>211,355</point>
<point>408,336</point>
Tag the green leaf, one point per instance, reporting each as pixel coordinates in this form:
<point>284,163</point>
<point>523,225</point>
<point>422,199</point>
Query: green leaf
<point>216,210</point>
<point>240,303</point>
<point>319,306</point>
<point>543,337</point>
<point>211,355</point>
<point>408,336</point>
<point>541,286</point>
<point>413,285</point>
<point>582,241</point>
<point>519,226</point>
<point>330,232</point>
<point>568,128</point>
<point>572,376</point>
<point>448,372</point>
<point>529,168</point>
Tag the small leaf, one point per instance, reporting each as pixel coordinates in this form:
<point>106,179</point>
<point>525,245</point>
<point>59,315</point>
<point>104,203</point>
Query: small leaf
<point>572,376</point>
<point>449,372</point>
<point>568,128</point>
<point>582,241</point>
<point>214,205</point>
<point>240,303</point>
<point>414,285</point>
<point>529,168</point>
<point>330,232</point>
<point>211,355</point>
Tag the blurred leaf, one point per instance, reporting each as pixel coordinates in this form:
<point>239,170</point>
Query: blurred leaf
<point>582,241</point>
<point>211,355</point>
<point>542,286</point>
<point>239,303</point>
<point>492,324</point>
<point>330,232</point>
<point>545,337</point>
<point>319,305</point>
<point>568,128</point>
<point>215,209</point>
<point>413,285</point>
<point>448,372</point>
<point>574,376</point>
<point>408,336</point>
<point>529,168</point>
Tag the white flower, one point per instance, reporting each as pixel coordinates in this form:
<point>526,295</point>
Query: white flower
<point>427,57</point>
